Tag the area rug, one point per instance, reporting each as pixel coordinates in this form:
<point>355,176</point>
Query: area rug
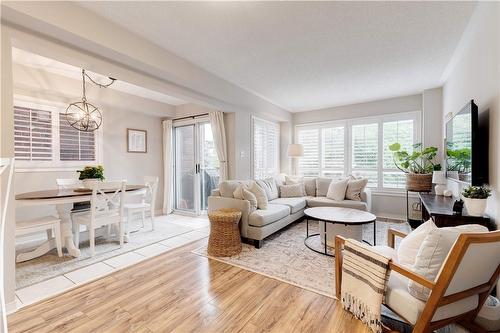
<point>50,265</point>
<point>284,256</point>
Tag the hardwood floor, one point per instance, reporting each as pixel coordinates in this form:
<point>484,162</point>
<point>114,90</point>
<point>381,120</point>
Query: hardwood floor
<point>182,292</point>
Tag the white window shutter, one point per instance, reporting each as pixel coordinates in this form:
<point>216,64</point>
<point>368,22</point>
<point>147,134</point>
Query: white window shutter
<point>32,134</point>
<point>74,144</point>
<point>265,148</point>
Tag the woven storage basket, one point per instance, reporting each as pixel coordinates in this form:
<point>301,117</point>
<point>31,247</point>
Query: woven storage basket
<point>419,182</point>
<point>225,239</point>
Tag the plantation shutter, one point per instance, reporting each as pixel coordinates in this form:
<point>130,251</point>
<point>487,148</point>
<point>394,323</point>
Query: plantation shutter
<point>32,134</point>
<point>265,148</point>
<point>74,144</point>
<point>309,163</point>
<point>400,131</point>
<point>333,151</point>
<point>365,152</point>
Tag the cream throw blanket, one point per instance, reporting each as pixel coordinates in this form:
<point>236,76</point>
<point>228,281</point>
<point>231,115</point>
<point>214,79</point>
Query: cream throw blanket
<point>364,278</point>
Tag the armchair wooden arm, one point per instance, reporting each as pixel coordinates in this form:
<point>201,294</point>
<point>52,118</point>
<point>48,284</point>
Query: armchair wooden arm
<point>391,236</point>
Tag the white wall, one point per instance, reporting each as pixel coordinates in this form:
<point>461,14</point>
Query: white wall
<point>474,73</point>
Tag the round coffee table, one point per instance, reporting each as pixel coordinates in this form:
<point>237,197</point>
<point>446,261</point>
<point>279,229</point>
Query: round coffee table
<point>337,215</point>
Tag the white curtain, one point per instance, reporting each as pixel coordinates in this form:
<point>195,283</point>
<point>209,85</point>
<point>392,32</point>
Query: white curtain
<point>219,133</point>
<point>168,183</point>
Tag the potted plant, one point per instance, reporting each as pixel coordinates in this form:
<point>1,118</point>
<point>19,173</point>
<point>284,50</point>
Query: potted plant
<point>475,198</point>
<point>418,165</point>
<point>91,174</point>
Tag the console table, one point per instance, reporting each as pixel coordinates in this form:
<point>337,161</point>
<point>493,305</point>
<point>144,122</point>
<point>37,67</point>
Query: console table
<point>440,209</point>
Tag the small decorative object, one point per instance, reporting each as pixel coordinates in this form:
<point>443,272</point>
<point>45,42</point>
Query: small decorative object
<point>458,206</point>
<point>417,164</point>
<point>91,174</point>
<point>83,115</point>
<point>448,193</point>
<point>475,198</point>
<point>439,178</point>
<point>137,141</point>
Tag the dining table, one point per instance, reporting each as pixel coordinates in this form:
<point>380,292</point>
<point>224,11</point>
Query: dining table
<point>63,200</point>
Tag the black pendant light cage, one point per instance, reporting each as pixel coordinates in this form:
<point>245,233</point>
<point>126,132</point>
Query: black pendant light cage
<point>82,115</point>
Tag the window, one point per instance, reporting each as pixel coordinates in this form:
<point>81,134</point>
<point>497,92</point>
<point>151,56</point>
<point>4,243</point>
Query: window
<point>358,147</point>
<point>44,139</point>
<point>265,148</point>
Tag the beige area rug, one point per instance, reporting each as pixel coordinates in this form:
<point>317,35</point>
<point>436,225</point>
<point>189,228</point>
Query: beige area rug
<point>284,256</point>
<point>50,265</point>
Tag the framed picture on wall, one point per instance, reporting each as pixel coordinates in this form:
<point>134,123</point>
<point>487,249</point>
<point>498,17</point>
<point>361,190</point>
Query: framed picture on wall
<point>137,141</point>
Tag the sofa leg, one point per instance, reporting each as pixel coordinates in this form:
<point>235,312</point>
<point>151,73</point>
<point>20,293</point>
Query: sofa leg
<point>257,243</point>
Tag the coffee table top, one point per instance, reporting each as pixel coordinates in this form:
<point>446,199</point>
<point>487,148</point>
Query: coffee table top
<point>340,215</point>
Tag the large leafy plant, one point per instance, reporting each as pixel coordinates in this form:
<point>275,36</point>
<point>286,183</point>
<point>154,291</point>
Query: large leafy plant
<point>419,160</point>
<point>476,192</point>
<point>90,172</point>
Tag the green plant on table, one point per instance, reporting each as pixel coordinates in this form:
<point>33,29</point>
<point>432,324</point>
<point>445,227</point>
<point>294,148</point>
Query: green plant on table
<point>92,172</point>
<point>419,160</point>
<point>476,192</point>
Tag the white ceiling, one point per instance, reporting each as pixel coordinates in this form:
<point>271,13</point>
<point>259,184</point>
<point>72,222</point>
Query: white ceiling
<point>305,55</point>
<point>53,66</point>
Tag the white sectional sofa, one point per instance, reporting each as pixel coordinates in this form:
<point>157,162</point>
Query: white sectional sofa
<point>257,224</point>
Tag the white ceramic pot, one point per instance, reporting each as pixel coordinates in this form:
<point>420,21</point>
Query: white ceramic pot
<point>87,183</point>
<point>475,207</point>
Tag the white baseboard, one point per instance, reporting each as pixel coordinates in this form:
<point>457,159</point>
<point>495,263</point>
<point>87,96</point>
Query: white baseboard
<point>10,307</point>
<point>391,216</point>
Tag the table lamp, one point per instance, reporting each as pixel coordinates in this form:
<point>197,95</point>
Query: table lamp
<point>295,151</point>
<point>439,178</point>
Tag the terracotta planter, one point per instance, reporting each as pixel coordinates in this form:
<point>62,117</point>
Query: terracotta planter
<point>475,207</point>
<point>419,182</point>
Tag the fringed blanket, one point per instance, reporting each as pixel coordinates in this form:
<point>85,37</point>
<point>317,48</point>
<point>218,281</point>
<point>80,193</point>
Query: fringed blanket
<point>364,278</point>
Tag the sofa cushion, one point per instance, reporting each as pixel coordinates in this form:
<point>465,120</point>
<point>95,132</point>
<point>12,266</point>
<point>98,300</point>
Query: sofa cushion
<point>398,298</point>
<point>273,213</point>
<point>325,202</point>
<point>295,204</point>
<point>260,194</point>
<point>322,185</point>
<point>310,186</point>
<point>336,190</point>
<point>292,191</point>
<point>269,185</point>
<point>409,246</point>
<point>433,253</point>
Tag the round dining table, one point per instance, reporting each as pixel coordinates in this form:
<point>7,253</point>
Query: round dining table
<point>63,200</point>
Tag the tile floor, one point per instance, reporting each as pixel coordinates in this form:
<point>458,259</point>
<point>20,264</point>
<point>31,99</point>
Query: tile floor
<point>61,283</point>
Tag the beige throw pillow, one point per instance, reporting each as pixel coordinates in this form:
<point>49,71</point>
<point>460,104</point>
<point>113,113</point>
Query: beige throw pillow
<point>269,185</point>
<point>310,186</point>
<point>322,185</point>
<point>243,193</point>
<point>260,194</point>
<point>336,190</point>
<point>355,187</point>
<point>409,246</point>
<point>292,191</point>
<point>433,253</point>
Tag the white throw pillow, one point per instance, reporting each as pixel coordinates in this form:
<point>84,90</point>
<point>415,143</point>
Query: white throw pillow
<point>409,246</point>
<point>322,185</point>
<point>243,193</point>
<point>269,185</point>
<point>310,186</point>
<point>260,194</point>
<point>355,187</point>
<point>336,190</point>
<point>433,253</point>
<point>292,191</point>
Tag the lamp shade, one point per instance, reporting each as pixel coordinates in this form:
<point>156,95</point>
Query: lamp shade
<point>438,177</point>
<point>295,150</point>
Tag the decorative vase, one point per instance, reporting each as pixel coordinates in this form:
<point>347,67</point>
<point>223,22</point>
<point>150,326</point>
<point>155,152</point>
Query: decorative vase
<point>475,207</point>
<point>417,182</point>
<point>87,182</point>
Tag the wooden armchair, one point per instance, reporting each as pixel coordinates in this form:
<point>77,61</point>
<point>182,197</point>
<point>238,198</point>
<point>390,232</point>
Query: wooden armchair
<point>467,277</point>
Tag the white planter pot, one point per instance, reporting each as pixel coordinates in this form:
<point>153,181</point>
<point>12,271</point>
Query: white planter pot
<point>475,207</point>
<point>87,183</point>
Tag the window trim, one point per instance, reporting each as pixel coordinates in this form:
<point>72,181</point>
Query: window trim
<point>252,151</point>
<point>56,164</point>
<point>416,116</point>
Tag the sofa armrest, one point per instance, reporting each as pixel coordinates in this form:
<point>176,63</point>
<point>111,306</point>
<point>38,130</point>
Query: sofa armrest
<point>366,196</point>
<point>217,202</point>
<point>391,236</point>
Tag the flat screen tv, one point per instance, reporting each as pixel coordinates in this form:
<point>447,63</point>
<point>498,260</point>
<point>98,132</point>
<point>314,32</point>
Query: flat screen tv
<point>467,146</point>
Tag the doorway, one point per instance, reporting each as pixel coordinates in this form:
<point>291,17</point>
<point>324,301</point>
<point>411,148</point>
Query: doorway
<point>196,166</point>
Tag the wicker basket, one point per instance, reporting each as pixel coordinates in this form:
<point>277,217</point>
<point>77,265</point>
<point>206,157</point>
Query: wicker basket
<point>225,239</point>
<point>419,182</point>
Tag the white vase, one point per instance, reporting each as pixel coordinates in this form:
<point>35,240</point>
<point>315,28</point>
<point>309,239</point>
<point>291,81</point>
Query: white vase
<point>475,207</point>
<point>87,183</point>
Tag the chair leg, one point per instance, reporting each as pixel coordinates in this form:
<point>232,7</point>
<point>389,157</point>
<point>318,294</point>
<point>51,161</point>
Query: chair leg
<point>49,234</point>
<point>120,232</point>
<point>127,227</point>
<point>76,234</point>
<point>143,213</point>
<point>57,235</point>
<point>152,214</point>
<point>92,240</point>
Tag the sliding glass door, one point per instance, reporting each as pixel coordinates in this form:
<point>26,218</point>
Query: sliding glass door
<point>196,165</point>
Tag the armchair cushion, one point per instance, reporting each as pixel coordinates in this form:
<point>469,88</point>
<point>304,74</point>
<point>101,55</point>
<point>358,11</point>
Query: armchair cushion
<point>409,246</point>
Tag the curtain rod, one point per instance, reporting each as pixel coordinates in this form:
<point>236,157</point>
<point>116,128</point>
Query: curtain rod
<point>192,117</point>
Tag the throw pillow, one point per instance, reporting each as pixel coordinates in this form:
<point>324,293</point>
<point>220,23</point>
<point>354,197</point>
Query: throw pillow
<point>280,179</point>
<point>310,186</point>
<point>228,187</point>
<point>243,193</point>
<point>355,187</point>
<point>269,185</point>
<point>336,190</point>
<point>433,253</point>
<point>260,194</point>
<point>292,191</point>
<point>290,180</point>
<point>322,185</point>
<point>409,246</point>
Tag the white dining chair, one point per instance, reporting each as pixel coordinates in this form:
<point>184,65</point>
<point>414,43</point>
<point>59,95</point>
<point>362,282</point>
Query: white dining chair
<point>106,208</point>
<point>50,224</point>
<point>147,203</point>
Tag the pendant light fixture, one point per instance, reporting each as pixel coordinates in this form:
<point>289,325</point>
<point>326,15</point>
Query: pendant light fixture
<point>83,115</point>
